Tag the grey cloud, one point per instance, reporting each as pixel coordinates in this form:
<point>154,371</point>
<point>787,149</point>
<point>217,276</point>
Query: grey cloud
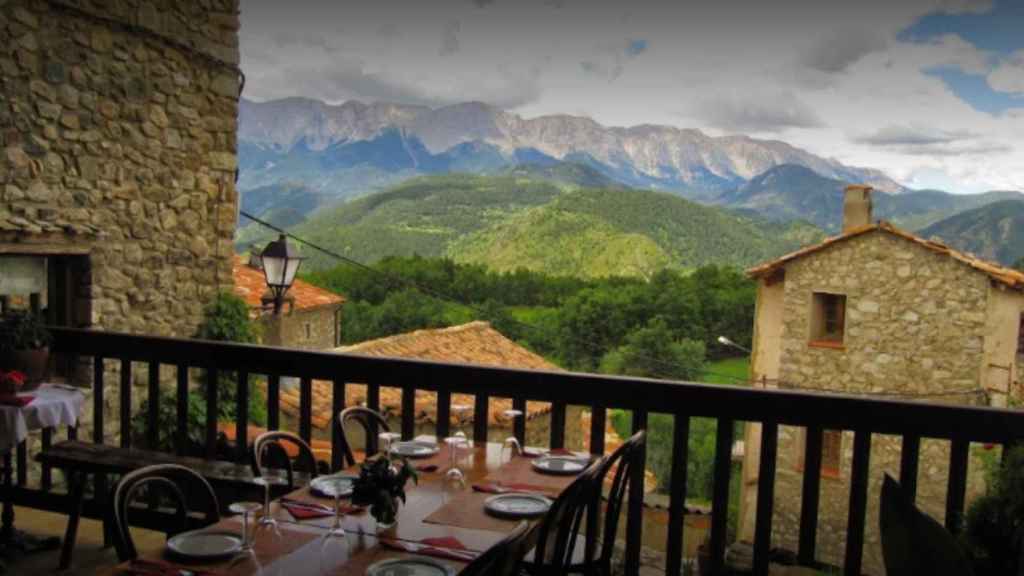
<point>903,136</point>
<point>450,38</point>
<point>979,149</point>
<point>760,113</point>
<point>834,53</point>
<point>483,3</point>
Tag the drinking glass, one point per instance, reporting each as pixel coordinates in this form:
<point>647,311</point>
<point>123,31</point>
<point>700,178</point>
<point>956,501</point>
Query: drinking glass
<point>454,472</point>
<point>385,439</point>
<point>334,543</point>
<point>512,443</point>
<point>267,523</point>
<point>245,509</point>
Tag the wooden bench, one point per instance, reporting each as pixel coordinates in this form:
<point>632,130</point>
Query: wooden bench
<point>79,459</point>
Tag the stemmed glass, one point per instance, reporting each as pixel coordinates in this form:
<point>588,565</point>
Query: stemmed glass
<point>248,554</point>
<point>267,522</point>
<point>455,442</point>
<point>512,443</point>
<point>334,543</point>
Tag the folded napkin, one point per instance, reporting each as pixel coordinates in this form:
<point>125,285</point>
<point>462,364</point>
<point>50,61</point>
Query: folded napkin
<point>301,510</point>
<point>427,468</point>
<point>504,487</point>
<point>145,567</point>
<point>447,548</point>
<point>554,452</point>
<point>18,401</point>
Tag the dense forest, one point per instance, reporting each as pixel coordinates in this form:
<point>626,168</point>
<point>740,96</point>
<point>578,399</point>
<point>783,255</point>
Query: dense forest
<point>579,324</point>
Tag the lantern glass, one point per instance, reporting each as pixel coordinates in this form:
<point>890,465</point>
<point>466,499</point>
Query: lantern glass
<point>280,264</point>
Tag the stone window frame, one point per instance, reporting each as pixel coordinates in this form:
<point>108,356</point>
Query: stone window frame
<point>831,453</point>
<point>309,330</point>
<point>1020,336</point>
<point>823,306</point>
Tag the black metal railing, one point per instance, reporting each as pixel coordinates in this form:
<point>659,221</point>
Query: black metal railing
<point>771,408</point>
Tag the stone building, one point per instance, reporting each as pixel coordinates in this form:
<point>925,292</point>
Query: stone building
<point>117,124</point>
<point>311,318</point>
<point>877,310</point>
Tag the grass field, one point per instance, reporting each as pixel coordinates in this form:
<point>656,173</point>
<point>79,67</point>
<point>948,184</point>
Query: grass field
<point>728,371</point>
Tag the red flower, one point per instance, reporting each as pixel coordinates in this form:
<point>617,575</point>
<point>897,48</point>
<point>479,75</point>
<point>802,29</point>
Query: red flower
<point>13,377</point>
<point>988,446</point>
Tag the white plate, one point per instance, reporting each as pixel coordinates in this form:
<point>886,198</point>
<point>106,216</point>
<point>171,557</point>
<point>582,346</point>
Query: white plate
<point>517,505</point>
<point>560,465</point>
<point>415,449</point>
<point>409,567</point>
<point>326,486</point>
<point>205,544</point>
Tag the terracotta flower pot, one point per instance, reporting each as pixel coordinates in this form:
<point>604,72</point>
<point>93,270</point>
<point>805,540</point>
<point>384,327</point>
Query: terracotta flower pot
<point>33,363</point>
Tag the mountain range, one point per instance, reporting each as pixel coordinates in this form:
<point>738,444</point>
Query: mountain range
<point>994,232</point>
<point>353,148</point>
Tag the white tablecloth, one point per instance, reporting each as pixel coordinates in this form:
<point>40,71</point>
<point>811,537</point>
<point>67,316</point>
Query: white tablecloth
<point>54,405</point>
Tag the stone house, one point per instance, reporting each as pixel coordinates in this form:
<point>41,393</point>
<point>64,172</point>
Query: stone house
<point>117,178</point>
<point>877,310</point>
<point>311,319</point>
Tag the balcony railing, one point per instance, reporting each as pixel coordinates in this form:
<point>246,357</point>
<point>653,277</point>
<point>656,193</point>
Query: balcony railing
<point>771,408</point>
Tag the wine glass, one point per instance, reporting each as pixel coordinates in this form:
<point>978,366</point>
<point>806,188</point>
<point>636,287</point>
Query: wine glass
<point>334,542</point>
<point>454,473</point>
<point>385,441</point>
<point>512,443</point>
<point>267,523</point>
<point>245,509</point>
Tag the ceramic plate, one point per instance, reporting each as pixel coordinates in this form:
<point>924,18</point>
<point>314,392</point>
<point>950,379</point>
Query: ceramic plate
<point>409,567</point>
<point>515,505</point>
<point>562,465</point>
<point>205,544</point>
<point>326,486</point>
<point>414,449</point>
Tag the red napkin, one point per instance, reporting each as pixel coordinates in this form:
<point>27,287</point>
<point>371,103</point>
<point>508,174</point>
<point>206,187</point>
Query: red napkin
<point>490,489</point>
<point>18,401</point>
<point>301,510</point>
<point>427,468</point>
<point>447,547</point>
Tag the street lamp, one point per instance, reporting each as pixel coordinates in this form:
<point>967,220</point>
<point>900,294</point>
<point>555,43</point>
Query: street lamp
<point>726,342</point>
<point>280,263</point>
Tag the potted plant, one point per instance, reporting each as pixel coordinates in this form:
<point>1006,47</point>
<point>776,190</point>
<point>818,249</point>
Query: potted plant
<point>381,485</point>
<point>24,345</point>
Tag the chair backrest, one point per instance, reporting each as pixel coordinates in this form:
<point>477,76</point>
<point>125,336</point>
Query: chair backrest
<point>269,452</point>
<point>370,421</point>
<point>559,530</point>
<point>178,483</point>
<point>579,506</point>
<point>505,557</point>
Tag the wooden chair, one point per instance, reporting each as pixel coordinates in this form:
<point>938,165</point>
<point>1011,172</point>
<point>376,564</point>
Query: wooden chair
<point>505,557</point>
<point>269,452</point>
<point>556,551</point>
<point>172,481</point>
<point>370,421</point>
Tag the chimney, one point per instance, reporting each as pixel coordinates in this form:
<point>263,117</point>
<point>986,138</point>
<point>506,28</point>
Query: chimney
<point>856,207</point>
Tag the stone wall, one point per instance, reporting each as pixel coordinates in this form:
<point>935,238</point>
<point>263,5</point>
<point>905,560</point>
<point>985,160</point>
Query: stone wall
<point>308,329</point>
<point>915,323</point>
<point>117,124</point>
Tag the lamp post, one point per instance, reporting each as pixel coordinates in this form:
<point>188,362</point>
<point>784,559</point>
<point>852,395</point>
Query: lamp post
<point>280,264</point>
<point>726,342</point>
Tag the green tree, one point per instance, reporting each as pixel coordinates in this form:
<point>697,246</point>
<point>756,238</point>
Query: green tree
<point>1019,264</point>
<point>650,352</point>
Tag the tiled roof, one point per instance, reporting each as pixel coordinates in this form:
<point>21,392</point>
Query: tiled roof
<point>250,285</point>
<point>472,343</point>
<point>1007,276</point>
<point>14,223</point>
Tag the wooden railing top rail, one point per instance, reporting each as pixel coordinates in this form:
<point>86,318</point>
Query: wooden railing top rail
<point>831,411</point>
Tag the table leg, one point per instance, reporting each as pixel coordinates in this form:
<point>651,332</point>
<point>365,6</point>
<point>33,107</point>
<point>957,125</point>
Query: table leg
<point>76,492</point>
<point>7,530</point>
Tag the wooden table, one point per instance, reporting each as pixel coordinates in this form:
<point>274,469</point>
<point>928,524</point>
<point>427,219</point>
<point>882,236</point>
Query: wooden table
<point>417,518</point>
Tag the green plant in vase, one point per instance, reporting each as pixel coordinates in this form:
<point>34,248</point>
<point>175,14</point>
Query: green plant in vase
<point>381,485</point>
<point>24,345</point>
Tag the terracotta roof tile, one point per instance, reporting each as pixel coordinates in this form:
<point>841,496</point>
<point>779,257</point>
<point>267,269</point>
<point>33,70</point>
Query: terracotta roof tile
<point>1007,276</point>
<point>250,285</point>
<point>472,343</point>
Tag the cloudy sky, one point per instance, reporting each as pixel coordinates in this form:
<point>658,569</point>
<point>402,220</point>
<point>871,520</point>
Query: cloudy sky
<point>931,91</point>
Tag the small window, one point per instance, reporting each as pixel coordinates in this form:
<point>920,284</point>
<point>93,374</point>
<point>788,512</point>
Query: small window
<point>1020,336</point>
<point>828,318</point>
<point>831,452</point>
<point>309,331</point>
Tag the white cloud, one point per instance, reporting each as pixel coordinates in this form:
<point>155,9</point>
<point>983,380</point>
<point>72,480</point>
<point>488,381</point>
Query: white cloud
<point>1008,75</point>
<point>766,113</point>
